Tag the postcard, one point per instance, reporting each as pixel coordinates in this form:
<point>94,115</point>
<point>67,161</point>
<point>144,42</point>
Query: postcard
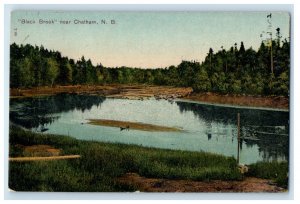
<point>136,101</point>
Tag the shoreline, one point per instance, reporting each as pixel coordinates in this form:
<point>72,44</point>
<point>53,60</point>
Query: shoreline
<point>141,92</point>
<point>259,102</point>
<point>127,166</point>
<point>232,105</point>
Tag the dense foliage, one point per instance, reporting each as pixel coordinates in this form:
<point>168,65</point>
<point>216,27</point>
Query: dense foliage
<point>235,71</point>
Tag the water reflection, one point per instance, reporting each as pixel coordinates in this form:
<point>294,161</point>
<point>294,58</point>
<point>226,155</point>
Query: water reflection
<point>266,129</point>
<point>264,134</point>
<point>37,112</point>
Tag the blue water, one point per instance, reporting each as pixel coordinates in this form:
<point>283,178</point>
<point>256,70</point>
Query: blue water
<point>264,133</point>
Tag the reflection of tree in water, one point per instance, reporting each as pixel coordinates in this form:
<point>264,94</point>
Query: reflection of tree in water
<point>273,142</point>
<point>39,111</point>
<point>267,129</point>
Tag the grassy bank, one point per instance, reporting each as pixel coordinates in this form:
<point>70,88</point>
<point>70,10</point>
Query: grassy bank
<point>101,164</point>
<point>277,171</point>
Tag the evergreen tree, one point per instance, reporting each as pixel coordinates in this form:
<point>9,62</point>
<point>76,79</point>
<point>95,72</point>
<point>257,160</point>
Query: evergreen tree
<point>232,71</point>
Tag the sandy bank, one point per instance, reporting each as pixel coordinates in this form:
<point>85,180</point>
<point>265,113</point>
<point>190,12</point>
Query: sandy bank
<point>126,126</point>
<point>111,90</point>
<point>276,102</point>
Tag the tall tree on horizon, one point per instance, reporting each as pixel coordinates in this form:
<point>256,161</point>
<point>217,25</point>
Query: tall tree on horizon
<point>52,69</point>
<point>210,52</point>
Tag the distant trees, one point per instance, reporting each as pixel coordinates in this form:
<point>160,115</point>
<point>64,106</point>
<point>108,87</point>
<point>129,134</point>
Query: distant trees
<point>51,70</point>
<point>233,71</point>
<point>65,71</point>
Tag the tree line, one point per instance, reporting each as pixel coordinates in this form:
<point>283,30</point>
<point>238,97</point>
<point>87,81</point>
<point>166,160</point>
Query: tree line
<point>235,71</point>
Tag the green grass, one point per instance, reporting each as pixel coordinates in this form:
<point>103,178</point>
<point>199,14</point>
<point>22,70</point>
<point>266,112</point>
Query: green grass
<point>102,163</point>
<point>277,171</point>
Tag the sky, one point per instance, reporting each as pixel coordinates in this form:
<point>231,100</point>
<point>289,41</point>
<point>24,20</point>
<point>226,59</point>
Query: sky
<point>143,39</point>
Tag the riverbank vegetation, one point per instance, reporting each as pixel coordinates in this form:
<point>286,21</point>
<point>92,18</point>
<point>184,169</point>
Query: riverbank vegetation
<point>278,171</point>
<point>236,70</point>
<point>101,164</point>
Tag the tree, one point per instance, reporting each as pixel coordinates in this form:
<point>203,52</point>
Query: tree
<point>15,73</point>
<point>278,36</point>
<point>210,53</point>
<point>224,59</point>
<point>242,48</point>
<point>158,77</point>
<point>270,85</point>
<point>250,61</point>
<point>281,86</point>
<point>91,73</point>
<point>259,83</point>
<point>64,72</point>
<point>202,82</point>
<point>26,72</point>
<point>186,73</point>
<point>80,72</point>
<point>218,82</point>
<point>149,78</point>
<point>231,60</point>
<point>247,84</point>
<point>263,57</point>
<point>227,71</point>
<point>52,70</point>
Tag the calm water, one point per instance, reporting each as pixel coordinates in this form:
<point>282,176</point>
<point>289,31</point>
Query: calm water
<point>207,128</point>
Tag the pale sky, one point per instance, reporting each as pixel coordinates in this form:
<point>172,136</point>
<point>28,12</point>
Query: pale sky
<point>143,39</point>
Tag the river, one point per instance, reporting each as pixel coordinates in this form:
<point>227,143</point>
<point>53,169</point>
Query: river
<point>209,128</point>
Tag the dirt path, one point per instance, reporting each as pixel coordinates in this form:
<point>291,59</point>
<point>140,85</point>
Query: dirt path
<point>24,159</point>
<point>249,184</point>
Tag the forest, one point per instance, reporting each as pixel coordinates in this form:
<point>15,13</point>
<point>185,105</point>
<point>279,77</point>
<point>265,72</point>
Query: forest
<point>234,71</point>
